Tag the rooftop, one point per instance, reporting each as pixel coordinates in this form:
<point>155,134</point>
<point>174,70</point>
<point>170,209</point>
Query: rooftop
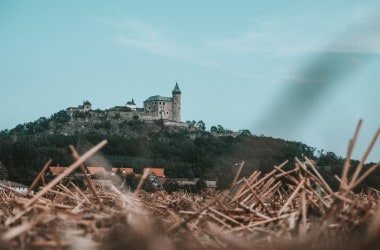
<point>131,102</point>
<point>96,170</point>
<point>12,184</point>
<point>123,170</point>
<point>176,89</point>
<point>159,172</point>
<point>159,98</point>
<point>57,170</point>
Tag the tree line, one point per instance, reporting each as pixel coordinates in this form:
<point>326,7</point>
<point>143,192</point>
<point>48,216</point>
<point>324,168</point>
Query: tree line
<point>184,153</point>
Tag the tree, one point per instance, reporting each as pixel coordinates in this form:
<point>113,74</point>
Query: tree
<point>191,123</point>
<point>171,186</point>
<point>60,117</point>
<point>200,185</point>
<point>146,186</point>
<point>128,180</point>
<point>224,178</point>
<point>201,125</point>
<point>214,129</point>
<point>220,129</point>
<point>190,175</point>
<point>245,132</point>
<point>329,159</point>
<point>3,172</point>
<point>117,116</point>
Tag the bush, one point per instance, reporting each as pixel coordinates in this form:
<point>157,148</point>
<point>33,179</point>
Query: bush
<point>60,117</point>
<point>171,186</point>
<point>147,184</point>
<point>200,185</point>
<point>105,124</point>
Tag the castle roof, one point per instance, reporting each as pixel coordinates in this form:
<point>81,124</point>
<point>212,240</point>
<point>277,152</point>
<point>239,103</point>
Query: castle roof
<point>86,103</point>
<point>131,102</point>
<point>119,108</point>
<point>176,89</point>
<point>159,98</point>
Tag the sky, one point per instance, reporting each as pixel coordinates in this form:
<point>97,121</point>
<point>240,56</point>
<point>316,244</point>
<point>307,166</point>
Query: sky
<point>298,70</point>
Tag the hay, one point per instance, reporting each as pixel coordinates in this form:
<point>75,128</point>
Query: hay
<point>293,209</point>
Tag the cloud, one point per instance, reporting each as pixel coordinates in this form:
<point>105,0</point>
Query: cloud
<point>292,44</point>
<point>297,35</point>
<point>363,42</point>
<point>152,45</point>
<point>244,43</point>
<point>138,34</point>
<point>133,26</point>
<point>230,54</point>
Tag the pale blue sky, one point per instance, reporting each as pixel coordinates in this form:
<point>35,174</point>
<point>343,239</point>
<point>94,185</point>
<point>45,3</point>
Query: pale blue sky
<point>298,70</point>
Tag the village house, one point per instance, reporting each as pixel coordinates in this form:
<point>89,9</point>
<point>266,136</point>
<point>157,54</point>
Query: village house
<point>57,170</point>
<point>123,171</point>
<point>96,171</point>
<point>156,176</point>
<point>15,186</point>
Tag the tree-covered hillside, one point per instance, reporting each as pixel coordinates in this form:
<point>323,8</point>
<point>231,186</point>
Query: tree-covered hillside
<point>190,152</point>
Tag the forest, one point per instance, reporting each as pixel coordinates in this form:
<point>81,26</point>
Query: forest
<point>184,153</point>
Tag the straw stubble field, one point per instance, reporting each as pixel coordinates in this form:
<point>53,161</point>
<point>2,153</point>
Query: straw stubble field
<point>284,209</point>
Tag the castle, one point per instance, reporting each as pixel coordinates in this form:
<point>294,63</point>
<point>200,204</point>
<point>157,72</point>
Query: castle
<point>155,108</point>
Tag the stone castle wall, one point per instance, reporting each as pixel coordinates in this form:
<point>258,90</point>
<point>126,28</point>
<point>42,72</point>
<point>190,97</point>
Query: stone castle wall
<point>98,115</point>
<point>155,108</point>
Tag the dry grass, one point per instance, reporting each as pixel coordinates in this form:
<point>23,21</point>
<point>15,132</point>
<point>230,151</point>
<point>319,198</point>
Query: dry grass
<point>258,212</point>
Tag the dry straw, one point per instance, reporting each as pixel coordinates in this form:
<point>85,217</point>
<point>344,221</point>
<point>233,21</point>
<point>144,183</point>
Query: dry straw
<point>284,209</point>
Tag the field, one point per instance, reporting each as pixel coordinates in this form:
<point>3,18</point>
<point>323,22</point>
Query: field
<point>284,209</point>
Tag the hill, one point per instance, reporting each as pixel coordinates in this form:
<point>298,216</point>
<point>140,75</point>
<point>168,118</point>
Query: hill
<point>184,151</point>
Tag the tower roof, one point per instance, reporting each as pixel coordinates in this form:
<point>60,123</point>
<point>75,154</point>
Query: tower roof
<point>159,98</point>
<point>176,89</point>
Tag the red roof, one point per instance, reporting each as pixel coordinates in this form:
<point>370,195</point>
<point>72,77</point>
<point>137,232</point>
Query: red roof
<point>57,170</point>
<point>123,170</point>
<point>96,170</point>
<point>159,172</point>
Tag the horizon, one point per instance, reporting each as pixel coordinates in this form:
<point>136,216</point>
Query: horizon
<point>302,72</point>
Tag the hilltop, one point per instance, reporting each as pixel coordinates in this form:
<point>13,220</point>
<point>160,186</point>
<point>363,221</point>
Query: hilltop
<point>184,151</point>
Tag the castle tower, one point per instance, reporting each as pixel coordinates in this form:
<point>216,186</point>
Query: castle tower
<point>86,106</point>
<point>176,103</point>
